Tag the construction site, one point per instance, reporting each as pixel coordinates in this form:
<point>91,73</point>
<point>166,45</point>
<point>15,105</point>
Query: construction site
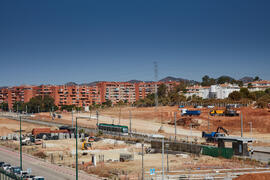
<point>186,140</point>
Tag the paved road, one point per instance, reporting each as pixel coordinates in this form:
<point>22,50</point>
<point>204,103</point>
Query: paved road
<point>41,168</point>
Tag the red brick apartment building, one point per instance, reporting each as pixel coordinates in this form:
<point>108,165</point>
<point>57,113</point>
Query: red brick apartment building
<point>83,95</point>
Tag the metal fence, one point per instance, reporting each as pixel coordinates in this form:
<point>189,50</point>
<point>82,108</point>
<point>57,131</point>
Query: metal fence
<point>4,175</point>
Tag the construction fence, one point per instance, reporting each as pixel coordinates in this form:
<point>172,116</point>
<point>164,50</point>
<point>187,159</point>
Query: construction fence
<point>217,152</point>
<point>176,147</point>
<point>7,176</point>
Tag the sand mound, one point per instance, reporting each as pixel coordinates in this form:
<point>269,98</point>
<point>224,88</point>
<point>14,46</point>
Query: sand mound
<point>4,131</point>
<point>263,176</point>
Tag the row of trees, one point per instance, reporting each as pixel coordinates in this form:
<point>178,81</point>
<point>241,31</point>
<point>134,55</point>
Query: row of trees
<point>262,98</point>
<point>208,81</point>
<point>36,104</point>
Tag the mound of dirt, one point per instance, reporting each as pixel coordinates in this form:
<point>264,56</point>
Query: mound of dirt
<point>4,131</point>
<point>263,176</point>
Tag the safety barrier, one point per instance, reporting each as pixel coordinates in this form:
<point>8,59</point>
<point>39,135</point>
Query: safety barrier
<point>217,152</point>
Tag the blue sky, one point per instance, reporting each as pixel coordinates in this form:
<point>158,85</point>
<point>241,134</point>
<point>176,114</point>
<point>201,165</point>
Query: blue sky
<point>53,42</point>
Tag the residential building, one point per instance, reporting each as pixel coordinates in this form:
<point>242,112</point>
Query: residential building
<point>258,85</point>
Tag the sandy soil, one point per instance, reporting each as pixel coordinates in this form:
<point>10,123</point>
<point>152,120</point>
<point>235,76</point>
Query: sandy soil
<point>149,120</point>
<point>8,126</point>
<point>262,176</point>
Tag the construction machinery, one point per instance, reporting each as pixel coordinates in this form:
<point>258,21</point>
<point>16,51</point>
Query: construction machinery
<point>86,145</point>
<point>213,136</point>
<point>185,112</point>
<point>217,112</point>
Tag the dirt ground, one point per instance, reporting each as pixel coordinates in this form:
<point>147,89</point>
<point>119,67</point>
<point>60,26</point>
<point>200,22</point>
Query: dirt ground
<point>262,176</point>
<point>62,152</point>
<point>8,126</point>
<point>149,120</point>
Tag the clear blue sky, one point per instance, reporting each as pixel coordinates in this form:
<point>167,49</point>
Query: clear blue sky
<point>56,41</point>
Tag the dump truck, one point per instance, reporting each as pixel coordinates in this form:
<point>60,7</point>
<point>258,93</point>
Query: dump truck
<point>185,112</point>
<point>212,137</point>
<point>217,112</point>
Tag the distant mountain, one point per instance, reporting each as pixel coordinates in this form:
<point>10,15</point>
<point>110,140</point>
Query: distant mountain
<point>246,79</point>
<point>134,81</point>
<point>90,83</point>
<point>3,87</point>
<point>71,84</point>
<point>170,78</point>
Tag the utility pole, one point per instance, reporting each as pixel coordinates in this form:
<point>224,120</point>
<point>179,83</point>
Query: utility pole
<point>76,150</point>
<point>175,126</point>
<point>241,124</point>
<point>142,162</point>
<point>250,123</point>
<point>21,142</point>
<point>162,158</point>
<point>156,79</point>
<point>130,118</point>
<point>119,116</point>
<point>208,123</point>
<point>72,117</point>
<point>26,109</point>
<point>97,117</point>
<point>167,148</point>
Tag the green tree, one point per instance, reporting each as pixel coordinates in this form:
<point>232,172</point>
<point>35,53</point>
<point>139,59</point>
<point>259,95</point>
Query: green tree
<point>225,79</point>
<point>18,105</point>
<point>244,92</point>
<point>235,96</point>
<point>207,81</point>
<point>45,104</point>
<point>257,78</point>
<point>263,101</point>
<point>162,89</point>
<point>267,91</point>
<point>108,103</point>
<point>68,108</point>
<point>4,106</point>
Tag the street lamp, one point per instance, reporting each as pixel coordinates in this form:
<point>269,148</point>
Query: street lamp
<point>142,162</point>
<point>76,131</point>
<point>250,123</point>
<point>21,142</point>
<point>167,145</point>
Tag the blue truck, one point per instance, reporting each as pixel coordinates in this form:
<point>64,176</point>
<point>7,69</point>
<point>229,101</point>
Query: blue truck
<point>185,112</point>
<point>213,136</point>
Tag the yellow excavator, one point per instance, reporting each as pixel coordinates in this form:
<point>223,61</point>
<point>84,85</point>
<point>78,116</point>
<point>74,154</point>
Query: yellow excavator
<point>86,145</point>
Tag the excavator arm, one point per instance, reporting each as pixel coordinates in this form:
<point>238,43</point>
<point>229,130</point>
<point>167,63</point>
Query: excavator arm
<point>225,130</point>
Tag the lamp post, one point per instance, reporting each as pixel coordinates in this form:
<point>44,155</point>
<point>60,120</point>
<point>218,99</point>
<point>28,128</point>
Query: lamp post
<point>76,131</point>
<point>162,158</point>
<point>167,145</point>
<point>21,142</point>
<point>250,123</point>
<point>76,149</point>
<point>142,162</point>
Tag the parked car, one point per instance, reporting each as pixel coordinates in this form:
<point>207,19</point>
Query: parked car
<point>15,170</point>
<point>6,166</point>
<point>38,178</point>
<point>2,163</point>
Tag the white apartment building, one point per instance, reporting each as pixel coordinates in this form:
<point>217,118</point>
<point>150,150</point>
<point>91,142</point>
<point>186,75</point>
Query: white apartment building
<point>220,91</point>
<point>258,85</point>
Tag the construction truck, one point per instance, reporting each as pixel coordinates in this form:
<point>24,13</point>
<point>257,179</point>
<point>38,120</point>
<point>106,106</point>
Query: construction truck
<point>212,137</point>
<point>230,112</point>
<point>217,112</point>
<point>86,145</point>
<point>185,112</point>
